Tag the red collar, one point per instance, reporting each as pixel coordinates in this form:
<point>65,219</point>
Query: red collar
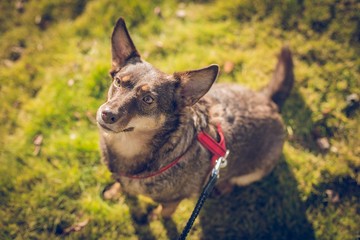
<point>218,149</point>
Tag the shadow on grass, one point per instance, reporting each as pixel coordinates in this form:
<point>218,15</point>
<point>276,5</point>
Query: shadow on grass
<point>298,116</point>
<point>334,190</point>
<point>140,219</point>
<point>269,209</point>
<point>171,229</point>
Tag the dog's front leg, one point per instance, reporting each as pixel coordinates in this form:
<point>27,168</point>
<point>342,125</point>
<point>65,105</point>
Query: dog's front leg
<point>168,209</point>
<point>164,209</point>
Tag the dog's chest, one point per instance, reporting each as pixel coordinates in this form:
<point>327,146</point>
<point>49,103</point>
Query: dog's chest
<point>127,145</point>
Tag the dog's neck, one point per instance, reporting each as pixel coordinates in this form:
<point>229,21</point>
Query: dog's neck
<point>127,151</point>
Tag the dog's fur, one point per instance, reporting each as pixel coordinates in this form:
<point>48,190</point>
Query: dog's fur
<point>151,118</point>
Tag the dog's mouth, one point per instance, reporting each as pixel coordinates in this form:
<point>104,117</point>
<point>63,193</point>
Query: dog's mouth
<point>106,128</point>
<point>129,129</point>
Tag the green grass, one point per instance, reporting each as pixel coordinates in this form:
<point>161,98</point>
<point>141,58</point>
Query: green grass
<point>54,75</point>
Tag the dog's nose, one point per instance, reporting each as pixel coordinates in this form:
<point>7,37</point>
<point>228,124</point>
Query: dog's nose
<point>108,116</point>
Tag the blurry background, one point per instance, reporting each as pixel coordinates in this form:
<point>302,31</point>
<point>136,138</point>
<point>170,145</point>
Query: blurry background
<point>54,63</point>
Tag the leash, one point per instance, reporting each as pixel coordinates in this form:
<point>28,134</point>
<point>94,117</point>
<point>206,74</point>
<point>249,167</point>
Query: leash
<point>221,162</point>
<point>218,160</point>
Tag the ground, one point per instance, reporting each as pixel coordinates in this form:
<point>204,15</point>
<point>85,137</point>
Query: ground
<point>54,63</point>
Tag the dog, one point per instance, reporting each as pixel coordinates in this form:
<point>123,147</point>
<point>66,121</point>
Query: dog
<point>150,122</point>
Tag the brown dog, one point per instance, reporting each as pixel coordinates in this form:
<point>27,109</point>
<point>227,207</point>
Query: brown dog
<point>150,122</point>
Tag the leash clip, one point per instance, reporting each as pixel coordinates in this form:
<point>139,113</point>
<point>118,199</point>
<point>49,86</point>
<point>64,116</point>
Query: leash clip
<point>221,162</point>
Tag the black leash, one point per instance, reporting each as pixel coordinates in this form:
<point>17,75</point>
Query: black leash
<point>220,163</point>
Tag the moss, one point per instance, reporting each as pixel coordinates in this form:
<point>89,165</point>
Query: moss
<point>54,61</point>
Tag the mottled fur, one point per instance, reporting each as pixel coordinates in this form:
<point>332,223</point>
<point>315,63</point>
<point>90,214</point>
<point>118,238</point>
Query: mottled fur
<point>151,118</point>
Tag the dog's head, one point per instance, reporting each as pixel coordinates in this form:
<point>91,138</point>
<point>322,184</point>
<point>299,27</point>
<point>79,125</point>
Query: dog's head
<point>141,97</point>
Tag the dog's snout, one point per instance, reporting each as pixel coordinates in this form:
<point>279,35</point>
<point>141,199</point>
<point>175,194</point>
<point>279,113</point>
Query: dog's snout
<point>108,116</point>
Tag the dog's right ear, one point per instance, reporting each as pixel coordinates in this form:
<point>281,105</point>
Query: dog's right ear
<point>194,84</point>
<point>123,48</point>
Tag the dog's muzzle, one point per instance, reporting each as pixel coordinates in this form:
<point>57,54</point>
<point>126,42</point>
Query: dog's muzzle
<point>106,119</point>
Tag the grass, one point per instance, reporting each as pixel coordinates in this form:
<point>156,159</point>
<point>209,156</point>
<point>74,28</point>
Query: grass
<point>55,57</point>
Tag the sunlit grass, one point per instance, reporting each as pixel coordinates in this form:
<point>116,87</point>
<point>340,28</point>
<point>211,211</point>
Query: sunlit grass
<point>56,84</point>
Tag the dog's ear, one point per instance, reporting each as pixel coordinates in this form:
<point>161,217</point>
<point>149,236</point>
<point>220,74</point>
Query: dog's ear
<point>123,48</point>
<point>194,84</point>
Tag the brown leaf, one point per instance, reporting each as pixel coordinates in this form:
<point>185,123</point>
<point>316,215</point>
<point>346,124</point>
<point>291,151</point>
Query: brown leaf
<point>76,227</point>
<point>323,143</point>
<point>71,82</point>
<point>38,142</point>
<point>229,66</point>
<point>157,11</point>
<point>333,196</point>
<point>159,44</point>
<point>181,13</point>
<point>8,63</point>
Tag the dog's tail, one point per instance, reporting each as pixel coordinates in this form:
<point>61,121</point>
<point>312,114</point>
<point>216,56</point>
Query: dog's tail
<point>280,86</point>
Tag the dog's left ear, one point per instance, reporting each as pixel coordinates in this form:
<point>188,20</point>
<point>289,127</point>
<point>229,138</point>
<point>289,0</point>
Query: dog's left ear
<point>194,84</point>
<point>123,48</point>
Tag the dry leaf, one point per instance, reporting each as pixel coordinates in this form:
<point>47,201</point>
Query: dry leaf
<point>38,142</point>
<point>229,66</point>
<point>181,13</point>
<point>76,227</point>
<point>157,11</point>
<point>323,143</point>
<point>333,196</point>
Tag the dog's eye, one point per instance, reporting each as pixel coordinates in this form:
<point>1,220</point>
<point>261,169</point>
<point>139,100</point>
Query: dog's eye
<point>148,99</point>
<point>117,82</point>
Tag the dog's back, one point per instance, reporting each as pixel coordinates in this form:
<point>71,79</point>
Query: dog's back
<point>252,124</point>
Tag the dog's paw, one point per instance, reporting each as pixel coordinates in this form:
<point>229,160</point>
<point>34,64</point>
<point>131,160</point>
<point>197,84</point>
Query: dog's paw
<point>112,192</point>
<point>155,214</point>
<point>164,210</point>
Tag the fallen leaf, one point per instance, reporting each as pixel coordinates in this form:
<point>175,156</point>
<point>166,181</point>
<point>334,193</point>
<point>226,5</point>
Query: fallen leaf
<point>229,66</point>
<point>159,44</point>
<point>76,227</point>
<point>38,140</point>
<point>70,82</point>
<point>181,13</point>
<point>333,196</point>
<point>323,143</point>
<point>157,11</point>
<point>8,63</point>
